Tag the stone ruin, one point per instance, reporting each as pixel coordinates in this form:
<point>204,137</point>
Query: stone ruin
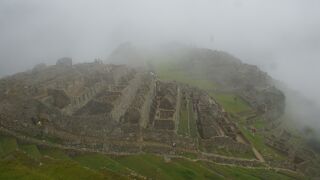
<point>113,108</point>
<point>297,157</point>
<point>166,106</point>
<point>67,62</point>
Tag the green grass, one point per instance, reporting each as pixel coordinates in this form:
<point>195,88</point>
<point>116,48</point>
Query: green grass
<point>7,145</point>
<point>230,102</point>
<point>66,169</point>
<point>187,123</point>
<point>226,152</point>
<point>99,161</point>
<point>189,155</point>
<point>258,141</point>
<point>55,153</point>
<point>19,169</point>
<point>21,166</point>
<point>192,122</point>
<point>183,126</point>
<point>154,167</point>
<point>31,150</point>
<point>248,173</point>
<point>33,165</point>
<point>171,72</point>
<point>259,123</point>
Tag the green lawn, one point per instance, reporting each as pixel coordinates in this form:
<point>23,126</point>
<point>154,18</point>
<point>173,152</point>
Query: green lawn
<point>172,72</point>
<point>55,153</point>
<point>7,145</point>
<point>21,166</point>
<point>156,168</point>
<point>31,150</point>
<point>249,173</point>
<point>99,161</point>
<point>259,123</point>
<point>187,123</point>
<point>230,102</point>
<point>192,122</point>
<point>183,126</point>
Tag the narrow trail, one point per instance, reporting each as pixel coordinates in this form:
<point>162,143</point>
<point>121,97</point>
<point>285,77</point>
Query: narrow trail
<point>258,155</point>
<point>233,165</point>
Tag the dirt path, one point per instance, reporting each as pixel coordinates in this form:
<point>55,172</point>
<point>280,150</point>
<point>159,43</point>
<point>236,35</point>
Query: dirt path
<point>258,155</point>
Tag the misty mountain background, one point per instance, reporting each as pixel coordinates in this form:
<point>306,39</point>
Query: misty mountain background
<point>281,37</point>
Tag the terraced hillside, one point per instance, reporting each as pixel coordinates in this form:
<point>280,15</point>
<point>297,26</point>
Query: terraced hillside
<point>30,161</point>
<point>270,138</point>
<point>163,121</point>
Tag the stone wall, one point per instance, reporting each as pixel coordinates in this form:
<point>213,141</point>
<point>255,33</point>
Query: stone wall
<point>123,103</point>
<point>216,143</point>
<point>147,106</point>
<point>79,101</point>
<point>166,106</point>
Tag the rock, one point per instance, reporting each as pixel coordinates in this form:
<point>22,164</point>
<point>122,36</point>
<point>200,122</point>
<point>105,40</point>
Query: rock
<point>60,99</point>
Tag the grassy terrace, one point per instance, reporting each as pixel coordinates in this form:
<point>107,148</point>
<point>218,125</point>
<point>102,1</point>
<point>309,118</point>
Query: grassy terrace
<point>230,102</point>
<point>187,123</point>
<point>258,141</point>
<point>192,122</point>
<point>170,72</point>
<point>27,161</point>
<point>183,128</point>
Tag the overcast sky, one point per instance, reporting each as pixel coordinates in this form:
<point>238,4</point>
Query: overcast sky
<point>281,36</point>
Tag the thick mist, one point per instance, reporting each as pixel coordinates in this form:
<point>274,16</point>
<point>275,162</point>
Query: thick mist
<point>281,37</point>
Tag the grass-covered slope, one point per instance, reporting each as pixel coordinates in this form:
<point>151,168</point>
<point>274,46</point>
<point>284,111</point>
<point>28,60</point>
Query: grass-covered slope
<point>28,161</point>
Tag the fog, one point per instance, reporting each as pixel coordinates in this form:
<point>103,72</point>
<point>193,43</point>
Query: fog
<point>280,36</point>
